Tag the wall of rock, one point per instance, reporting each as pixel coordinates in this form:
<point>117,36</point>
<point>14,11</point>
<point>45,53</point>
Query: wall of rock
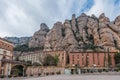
<point>81,33</point>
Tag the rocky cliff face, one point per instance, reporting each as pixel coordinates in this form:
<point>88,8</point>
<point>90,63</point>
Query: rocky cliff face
<point>18,40</point>
<point>80,34</point>
<point>38,39</point>
<point>84,33</point>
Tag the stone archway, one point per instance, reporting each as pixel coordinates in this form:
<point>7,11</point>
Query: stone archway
<point>18,70</point>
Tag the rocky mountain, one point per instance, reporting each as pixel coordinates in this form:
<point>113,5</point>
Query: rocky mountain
<point>18,40</point>
<point>38,39</point>
<point>84,33</point>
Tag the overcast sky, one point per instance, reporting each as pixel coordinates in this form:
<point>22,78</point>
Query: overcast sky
<point>23,17</point>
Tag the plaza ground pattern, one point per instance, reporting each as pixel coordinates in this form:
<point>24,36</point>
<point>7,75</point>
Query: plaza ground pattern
<point>78,77</point>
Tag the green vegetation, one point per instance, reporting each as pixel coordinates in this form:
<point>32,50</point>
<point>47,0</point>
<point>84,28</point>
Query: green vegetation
<point>117,59</point>
<point>49,60</point>
<point>17,71</point>
<point>86,29</point>
<point>63,32</point>
<point>56,59</point>
<point>29,63</point>
<point>25,48</point>
<point>116,46</point>
<point>89,46</point>
<point>98,30</point>
<point>78,37</point>
<point>36,64</point>
<point>91,38</point>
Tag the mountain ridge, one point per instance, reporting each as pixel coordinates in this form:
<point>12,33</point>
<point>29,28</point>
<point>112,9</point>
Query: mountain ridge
<point>82,33</point>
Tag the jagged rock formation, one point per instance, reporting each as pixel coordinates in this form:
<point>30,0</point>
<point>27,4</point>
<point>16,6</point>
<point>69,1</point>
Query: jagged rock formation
<point>78,34</point>
<point>38,38</point>
<point>84,33</point>
<point>18,41</point>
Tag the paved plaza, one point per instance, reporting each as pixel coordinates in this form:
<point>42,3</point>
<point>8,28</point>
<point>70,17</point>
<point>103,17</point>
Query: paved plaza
<point>70,77</point>
<point>78,77</point>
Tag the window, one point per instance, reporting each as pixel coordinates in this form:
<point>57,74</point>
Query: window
<point>87,60</point>
<point>78,57</point>
<point>77,62</point>
<point>4,57</point>
<point>82,59</point>
<point>73,59</point>
<point>5,53</point>
<point>98,58</point>
<point>62,57</point>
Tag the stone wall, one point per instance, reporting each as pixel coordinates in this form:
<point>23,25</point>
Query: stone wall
<point>92,59</point>
<point>43,71</point>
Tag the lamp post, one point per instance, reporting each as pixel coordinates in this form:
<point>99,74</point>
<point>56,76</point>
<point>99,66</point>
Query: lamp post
<point>94,65</point>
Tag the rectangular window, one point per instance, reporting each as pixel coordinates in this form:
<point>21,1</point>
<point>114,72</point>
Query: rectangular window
<point>82,59</point>
<point>73,59</point>
<point>77,62</point>
<point>98,58</point>
<point>78,56</point>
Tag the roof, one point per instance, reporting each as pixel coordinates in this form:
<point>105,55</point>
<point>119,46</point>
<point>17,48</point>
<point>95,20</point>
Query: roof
<point>11,61</point>
<point>92,52</point>
<point>6,41</point>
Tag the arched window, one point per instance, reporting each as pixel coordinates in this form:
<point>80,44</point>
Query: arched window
<point>5,53</point>
<point>4,57</point>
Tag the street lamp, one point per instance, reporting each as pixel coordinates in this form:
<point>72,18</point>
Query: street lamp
<point>94,65</point>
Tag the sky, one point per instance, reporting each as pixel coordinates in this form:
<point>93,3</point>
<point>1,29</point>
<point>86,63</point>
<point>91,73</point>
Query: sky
<point>19,18</point>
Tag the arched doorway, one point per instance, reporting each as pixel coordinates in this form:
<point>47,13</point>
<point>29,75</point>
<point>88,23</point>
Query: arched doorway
<point>17,70</point>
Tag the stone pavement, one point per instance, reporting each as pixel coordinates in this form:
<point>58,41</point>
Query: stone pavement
<point>77,77</point>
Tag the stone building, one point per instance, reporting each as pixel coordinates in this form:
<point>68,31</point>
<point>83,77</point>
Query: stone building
<point>6,55</point>
<point>38,56</point>
<point>92,60</point>
<point>32,56</point>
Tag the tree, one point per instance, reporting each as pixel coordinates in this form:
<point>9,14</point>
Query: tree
<point>25,48</point>
<point>36,64</point>
<point>56,58</point>
<point>117,58</point>
<point>29,63</point>
<point>21,48</point>
<point>49,60</point>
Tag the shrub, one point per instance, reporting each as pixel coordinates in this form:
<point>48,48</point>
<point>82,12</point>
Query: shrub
<point>36,64</point>
<point>49,60</point>
<point>31,75</point>
<point>116,70</point>
<point>58,72</point>
<point>9,76</point>
<point>39,74</point>
<point>2,76</point>
<point>117,58</point>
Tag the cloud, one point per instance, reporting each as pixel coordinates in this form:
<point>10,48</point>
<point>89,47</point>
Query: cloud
<point>14,21</point>
<point>23,17</point>
<point>111,8</point>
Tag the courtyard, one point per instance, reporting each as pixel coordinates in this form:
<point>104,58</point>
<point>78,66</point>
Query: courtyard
<point>77,77</point>
<point>87,76</point>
